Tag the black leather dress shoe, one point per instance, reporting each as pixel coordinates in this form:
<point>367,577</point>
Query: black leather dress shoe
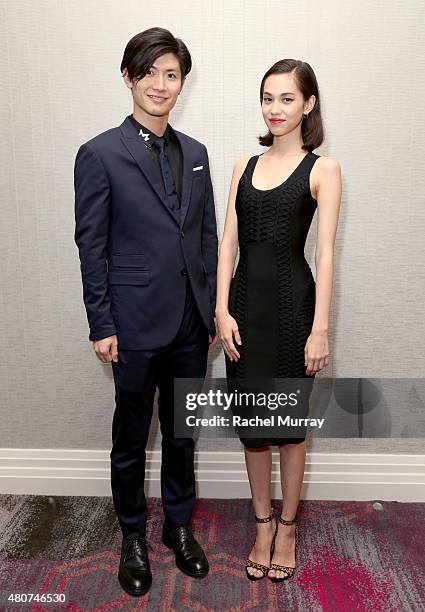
<point>134,573</point>
<point>190,558</point>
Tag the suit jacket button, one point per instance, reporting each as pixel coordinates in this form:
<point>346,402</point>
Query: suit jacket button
<point>182,234</point>
<point>183,272</point>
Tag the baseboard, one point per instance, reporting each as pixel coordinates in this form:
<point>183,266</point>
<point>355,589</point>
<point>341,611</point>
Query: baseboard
<point>328,476</point>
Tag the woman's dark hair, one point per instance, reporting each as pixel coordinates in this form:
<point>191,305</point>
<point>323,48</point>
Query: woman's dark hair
<point>312,126</point>
<point>144,48</point>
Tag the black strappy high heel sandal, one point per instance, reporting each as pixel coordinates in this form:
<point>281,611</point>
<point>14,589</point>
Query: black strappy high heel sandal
<point>284,568</point>
<point>260,566</point>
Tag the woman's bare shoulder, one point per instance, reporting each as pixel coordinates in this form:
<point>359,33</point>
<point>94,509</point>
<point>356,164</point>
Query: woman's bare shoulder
<point>328,165</point>
<point>326,173</point>
<point>240,165</point>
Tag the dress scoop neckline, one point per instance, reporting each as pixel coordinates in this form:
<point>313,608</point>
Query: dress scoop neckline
<point>283,182</point>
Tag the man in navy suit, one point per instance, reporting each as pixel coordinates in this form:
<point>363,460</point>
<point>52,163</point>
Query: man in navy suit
<point>147,239</point>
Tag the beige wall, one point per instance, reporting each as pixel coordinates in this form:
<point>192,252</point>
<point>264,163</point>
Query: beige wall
<point>61,85</point>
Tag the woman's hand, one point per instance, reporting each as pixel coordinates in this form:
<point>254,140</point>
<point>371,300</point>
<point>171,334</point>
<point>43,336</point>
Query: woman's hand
<point>316,352</point>
<point>227,332</point>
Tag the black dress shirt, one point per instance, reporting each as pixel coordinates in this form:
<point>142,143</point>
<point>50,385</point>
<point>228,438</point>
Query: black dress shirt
<point>172,150</point>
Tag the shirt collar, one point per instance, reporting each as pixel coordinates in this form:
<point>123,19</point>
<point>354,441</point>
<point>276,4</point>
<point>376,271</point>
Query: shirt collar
<point>146,135</point>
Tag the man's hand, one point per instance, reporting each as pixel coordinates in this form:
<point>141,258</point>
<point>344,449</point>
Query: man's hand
<point>106,349</point>
<point>213,339</point>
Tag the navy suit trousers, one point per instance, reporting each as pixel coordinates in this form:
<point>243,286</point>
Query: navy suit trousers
<point>137,374</point>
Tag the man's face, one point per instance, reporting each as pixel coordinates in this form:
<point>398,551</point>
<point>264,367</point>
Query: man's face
<point>157,92</point>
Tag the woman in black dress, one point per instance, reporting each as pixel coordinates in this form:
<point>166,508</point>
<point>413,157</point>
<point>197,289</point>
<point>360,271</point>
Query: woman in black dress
<point>272,317</point>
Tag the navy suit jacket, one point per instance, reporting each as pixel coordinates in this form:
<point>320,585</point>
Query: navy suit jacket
<point>133,248</point>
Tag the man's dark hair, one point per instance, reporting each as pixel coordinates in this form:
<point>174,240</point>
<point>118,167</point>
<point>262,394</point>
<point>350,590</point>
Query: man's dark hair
<point>311,128</point>
<point>144,48</point>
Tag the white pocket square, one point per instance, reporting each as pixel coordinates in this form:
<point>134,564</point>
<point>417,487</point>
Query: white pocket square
<point>198,168</point>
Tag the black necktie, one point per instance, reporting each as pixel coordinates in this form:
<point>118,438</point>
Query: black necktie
<point>167,174</point>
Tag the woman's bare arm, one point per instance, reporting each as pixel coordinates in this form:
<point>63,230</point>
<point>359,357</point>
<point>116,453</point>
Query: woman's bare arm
<point>328,207</point>
<point>227,326</point>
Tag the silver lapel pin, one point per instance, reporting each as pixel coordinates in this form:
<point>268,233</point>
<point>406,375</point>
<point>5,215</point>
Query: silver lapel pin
<point>145,136</point>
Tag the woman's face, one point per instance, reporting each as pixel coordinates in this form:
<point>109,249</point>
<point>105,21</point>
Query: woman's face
<point>283,104</point>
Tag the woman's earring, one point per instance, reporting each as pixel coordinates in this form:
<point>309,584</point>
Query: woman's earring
<point>305,116</point>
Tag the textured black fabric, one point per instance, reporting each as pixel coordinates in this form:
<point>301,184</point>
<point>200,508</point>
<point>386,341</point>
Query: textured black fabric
<point>272,295</point>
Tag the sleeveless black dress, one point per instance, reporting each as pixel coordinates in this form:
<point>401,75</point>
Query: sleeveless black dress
<point>272,294</point>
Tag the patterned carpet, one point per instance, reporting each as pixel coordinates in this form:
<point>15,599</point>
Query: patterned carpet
<point>352,556</point>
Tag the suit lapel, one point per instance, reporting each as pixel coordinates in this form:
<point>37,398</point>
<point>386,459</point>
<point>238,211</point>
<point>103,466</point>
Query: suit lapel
<point>135,146</point>
<point>141,155</point>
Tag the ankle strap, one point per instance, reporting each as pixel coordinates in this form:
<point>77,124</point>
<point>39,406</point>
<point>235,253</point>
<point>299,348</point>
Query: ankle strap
<point>284,522</point>
<point>266,520</point>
